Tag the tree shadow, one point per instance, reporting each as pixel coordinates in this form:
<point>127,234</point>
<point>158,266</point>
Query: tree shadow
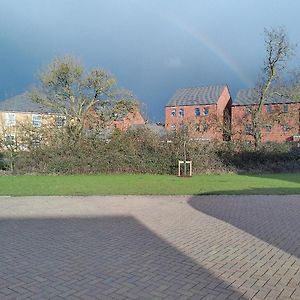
<point>273,219</point>
<point>98,258</point>
<point>266,161</point>
<point>289,177</point>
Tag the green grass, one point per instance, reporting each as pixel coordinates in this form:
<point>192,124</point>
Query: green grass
<point>272,184</point>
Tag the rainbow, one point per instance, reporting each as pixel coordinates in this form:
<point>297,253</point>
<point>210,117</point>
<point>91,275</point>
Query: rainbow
<point>212,46</point>
<point>201,37</point>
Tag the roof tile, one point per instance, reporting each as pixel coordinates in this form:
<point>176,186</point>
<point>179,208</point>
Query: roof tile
<point>251,96</point>
<point>22,103</point>
<point>196,96</point>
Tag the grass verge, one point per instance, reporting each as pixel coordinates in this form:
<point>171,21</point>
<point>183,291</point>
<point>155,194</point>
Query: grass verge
<point>263,184</point>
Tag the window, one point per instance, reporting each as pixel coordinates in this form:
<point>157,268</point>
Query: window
<point>205,111</point>
<point>181,112</point>
<point>197,112</point>
<point>268,128</point>
<point>205,127</point>
<point>37,120</point>
<point>173,112</point>
<point>247,110</point>
<point>248,129</point>
<point>285,127</point>
<point>10,119</point>
<point>36,141</point>
<point>10,139</point>
<point>269,108</point>
<point>60,121</point>
<point>197,127</point>
<point>285,107</point>
<point>173,126</point>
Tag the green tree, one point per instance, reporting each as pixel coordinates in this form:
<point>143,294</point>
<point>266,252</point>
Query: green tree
<point>67,89</point>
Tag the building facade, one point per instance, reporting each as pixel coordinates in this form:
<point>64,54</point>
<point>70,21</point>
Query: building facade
<point>205,110</point>
<point>20,112</point>
<point>279,118</point>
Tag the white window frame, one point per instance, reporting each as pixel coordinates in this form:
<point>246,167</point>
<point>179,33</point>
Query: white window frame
<point>269,108</point>
<point>62,120</point>
<point>10,119</point>
<point>205,111</point>
<point>268,128</point>
<point>197,109</point>
<point>173,112</point>
<point>248,129</point>
<point>12,140</point>
<point>37,120</point>
<point>181,112</point>
<point>36,141</point>
<point>286,127</point>
<point>285,107</point>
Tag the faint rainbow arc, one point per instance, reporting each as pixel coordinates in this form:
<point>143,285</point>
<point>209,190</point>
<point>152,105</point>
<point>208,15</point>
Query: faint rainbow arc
<point>208,43</point>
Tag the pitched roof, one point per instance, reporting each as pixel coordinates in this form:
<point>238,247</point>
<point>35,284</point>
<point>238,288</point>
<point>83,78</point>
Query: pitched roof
<point>251,96</point>
<point>196,95</point>
<point>22,103</point>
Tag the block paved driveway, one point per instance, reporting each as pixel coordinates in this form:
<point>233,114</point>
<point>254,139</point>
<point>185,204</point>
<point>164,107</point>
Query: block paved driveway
<point>210,247</point>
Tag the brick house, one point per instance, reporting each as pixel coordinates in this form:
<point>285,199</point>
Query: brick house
<point>205,110</point>
<point>20,110</point>
<point>131,118</point>
<point>123,119</point>
<point>280,117</point>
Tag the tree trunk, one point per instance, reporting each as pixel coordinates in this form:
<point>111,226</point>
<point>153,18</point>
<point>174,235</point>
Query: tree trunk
<point>256,130</point>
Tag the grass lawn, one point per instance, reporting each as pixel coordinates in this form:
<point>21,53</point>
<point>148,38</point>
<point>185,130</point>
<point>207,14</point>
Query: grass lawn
<point>281,184</point>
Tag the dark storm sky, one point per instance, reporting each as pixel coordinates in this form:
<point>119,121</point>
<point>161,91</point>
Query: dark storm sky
<point>153,47</point>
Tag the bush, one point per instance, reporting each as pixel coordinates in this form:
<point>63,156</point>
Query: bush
<point>143,151</point>
<point>3,163</point>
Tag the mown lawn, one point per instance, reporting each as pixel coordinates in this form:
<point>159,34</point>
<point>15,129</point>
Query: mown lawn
<point>273,184</point>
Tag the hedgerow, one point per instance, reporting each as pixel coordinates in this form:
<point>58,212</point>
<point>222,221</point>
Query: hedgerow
<point>144,151</point>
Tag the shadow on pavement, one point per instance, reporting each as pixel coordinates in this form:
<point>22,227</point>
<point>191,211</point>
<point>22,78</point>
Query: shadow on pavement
<point>274,219</point>
<point>256,191</point>
<point>98,258</point>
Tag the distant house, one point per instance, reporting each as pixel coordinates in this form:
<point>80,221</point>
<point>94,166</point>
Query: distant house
<point>280,117</point>
<point>205,110</point>
<point>131,118</point>
<point>20,110</point>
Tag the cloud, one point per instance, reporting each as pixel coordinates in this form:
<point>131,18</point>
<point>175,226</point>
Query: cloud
<point>174,62</point>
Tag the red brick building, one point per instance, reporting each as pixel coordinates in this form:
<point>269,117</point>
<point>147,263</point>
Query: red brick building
<point>20,110</point>
<point>279,118</point>
<point>205,110</point>
<point>131,118</point>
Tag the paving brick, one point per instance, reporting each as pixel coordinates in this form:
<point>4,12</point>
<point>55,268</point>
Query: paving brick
<point>150,248</point>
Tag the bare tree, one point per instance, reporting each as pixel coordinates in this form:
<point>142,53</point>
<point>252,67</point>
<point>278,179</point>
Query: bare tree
<point>278,52</point>
<point>294,91</point>
<point>67,89</point>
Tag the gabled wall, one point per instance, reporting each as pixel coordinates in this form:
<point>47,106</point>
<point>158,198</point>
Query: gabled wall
<point>214,120</point>
<point>134,117</point>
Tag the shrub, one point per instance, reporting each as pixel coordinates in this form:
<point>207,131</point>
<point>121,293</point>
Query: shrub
<point>143,151</point>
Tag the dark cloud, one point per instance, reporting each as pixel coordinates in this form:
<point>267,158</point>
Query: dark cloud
<point>152,47</point>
